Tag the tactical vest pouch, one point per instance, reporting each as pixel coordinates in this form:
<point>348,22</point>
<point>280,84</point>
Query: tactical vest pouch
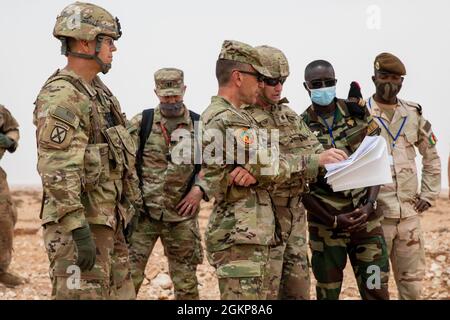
<point>123,149</point>
<point>96,165</point>
<point>92,167</point>
<point>115,148</point>
<point>128,146</point>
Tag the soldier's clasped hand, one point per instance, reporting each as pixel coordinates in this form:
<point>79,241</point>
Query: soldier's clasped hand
<point>241,177</point>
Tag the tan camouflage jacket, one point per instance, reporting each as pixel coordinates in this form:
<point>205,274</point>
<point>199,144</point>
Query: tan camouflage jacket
<point>240,215</point>
<point>165,179</point>
<point>9,127</point>
<point>396,200</point>
<point>85,154</point>
<point>294,137</point>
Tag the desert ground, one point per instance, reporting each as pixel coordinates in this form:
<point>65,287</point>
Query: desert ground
<point>30,259</point>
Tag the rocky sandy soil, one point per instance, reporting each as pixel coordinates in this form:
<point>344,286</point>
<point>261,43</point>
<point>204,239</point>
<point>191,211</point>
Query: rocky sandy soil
<point>30,260</point>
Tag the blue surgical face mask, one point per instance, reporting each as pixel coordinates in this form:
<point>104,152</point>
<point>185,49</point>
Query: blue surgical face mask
<point>323,96</point>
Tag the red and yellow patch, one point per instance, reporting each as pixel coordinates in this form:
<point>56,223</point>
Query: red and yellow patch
<point>245,135</point>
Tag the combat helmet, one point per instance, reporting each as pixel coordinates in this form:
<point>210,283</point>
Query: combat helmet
<point>86,21</point>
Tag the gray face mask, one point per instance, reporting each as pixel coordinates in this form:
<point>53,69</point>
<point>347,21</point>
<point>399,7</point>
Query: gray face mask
<point>171,110</point>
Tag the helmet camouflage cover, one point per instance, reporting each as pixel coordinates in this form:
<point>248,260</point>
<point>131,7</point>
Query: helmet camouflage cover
<point>86,21</point>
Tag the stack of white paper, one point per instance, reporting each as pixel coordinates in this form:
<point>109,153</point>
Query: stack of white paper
<point>367,166</point>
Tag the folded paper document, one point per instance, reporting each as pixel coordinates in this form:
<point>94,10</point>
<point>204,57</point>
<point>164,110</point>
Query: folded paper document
<point>367,166</point>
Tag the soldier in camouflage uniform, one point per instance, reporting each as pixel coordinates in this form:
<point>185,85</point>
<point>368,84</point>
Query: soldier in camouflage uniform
<point>9,138</point>
<point>404,127</point>
<point>242,226</point>
<point>86,163</point>
<point>288,272</point>
<point>172,208</point>
<point>342,223</point>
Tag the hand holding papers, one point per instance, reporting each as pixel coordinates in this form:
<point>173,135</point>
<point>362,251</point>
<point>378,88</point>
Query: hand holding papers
<point>367,166</point>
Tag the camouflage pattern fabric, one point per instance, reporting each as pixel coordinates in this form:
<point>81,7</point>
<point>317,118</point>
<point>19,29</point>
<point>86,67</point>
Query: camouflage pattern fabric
<point>329,246</point>
<point>241,215</point>
<point>182,247</point>
<point>165,181</point>
<point>349,130</point>
<point>8,218</point>
<point>8,211</point>
<point>85,21</point>
<point>244,53</point>
<point>169,82</point>
<point>85,159</point>
<point>110,277</point>
<point>241,271</point>
<point>274,60</point>
<point>366,250</point>
<point>164,186</point>
<point>406,249</point>
<point>396,200</point>
<point>288,269</point>
<point>288,275</point>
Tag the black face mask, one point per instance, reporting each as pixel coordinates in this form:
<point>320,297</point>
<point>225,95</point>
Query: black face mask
<point>171,110</point>
<point>387,90</point>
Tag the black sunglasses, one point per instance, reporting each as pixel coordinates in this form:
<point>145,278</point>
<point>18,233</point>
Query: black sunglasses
<point>274,81</point>
<point>259,77</point>
<point>317,84</point>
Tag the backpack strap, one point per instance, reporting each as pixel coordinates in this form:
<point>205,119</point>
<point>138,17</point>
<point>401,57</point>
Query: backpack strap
<point>195,117</point>
<point>146,128</point>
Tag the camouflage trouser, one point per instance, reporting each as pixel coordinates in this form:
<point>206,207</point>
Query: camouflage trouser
<point>368,255</point>
<point>406,249</point>
<point>8,218</point>
<point>109,279</point>
<point>288,269</point>
<point>241,270</point>
<point>182,246</point>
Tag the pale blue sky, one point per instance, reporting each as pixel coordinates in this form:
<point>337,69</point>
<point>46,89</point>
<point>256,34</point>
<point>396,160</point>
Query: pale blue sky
<point>188,35</point>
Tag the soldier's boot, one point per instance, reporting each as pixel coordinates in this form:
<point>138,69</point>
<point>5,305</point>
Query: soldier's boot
<point>11,280</point>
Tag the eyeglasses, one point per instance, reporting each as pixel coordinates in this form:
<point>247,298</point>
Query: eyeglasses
<point>274,81</point>
<point>317,84</point>
<point>259,77</point>
<point>108,40</point>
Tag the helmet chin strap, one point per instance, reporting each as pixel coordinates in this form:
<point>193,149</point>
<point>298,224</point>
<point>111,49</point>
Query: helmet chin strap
<point>105,67</point>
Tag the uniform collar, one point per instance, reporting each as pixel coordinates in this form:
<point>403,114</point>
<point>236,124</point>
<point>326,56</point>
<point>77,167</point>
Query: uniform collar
<point>220,99</point>
<point>400,110</point>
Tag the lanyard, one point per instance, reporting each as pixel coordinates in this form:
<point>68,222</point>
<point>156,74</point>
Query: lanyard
<point>330,129</point>
<point>165,134</point>
<point>394,139</point>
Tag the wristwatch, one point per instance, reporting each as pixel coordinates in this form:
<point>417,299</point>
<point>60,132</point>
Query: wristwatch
<point>374,203</point>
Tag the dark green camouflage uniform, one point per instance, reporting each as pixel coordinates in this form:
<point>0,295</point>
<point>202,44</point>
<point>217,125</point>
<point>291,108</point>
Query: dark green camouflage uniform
<point>330,247</point>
